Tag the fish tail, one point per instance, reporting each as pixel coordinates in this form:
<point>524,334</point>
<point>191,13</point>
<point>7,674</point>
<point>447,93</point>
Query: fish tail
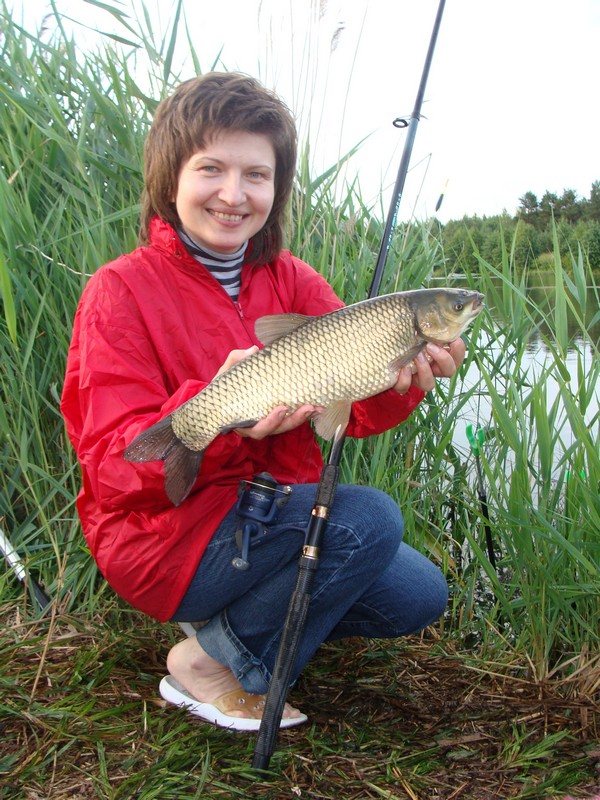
<point>159,443</point>
<point>181,470</point>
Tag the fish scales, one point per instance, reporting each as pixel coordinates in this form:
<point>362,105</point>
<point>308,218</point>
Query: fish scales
<point>343,356</point>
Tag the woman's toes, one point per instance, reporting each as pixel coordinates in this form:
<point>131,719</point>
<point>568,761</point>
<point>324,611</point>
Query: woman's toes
<point>289,712</point>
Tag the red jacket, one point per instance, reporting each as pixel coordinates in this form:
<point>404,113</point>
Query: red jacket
<point>151,330</point>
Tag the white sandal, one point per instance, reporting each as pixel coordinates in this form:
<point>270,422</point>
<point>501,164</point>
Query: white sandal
<point>218,712</point>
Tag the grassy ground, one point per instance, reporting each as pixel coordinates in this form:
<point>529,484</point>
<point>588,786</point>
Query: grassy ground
<point>81,718</point>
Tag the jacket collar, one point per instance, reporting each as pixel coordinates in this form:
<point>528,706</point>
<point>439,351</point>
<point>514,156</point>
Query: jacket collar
<point>164,236</point>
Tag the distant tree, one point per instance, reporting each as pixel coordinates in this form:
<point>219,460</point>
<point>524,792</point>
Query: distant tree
<point>568,207</point>
<point>458,245</point>
<point>589,237</point>
<point>567,242</point>
<point>544,244</point>
<point>491,246</point>
<point>531,231</point>
<point>526,244</point>
<point>548,206</point>
<point>592,210</point>
<point>529,208</point>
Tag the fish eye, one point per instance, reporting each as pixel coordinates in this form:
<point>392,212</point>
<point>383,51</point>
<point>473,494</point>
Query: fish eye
<point>458,306</point>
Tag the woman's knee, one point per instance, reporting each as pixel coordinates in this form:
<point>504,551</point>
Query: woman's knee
<point>374,518</point>
<point>433,600</point>
<point>416,590</point>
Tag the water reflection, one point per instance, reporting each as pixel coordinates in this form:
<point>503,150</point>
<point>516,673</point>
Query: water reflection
<point>588,312</point>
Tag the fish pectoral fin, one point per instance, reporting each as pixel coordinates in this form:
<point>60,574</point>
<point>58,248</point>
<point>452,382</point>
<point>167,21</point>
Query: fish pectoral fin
<point>243,423</point>
<point>405,358</point>
<point>273,326</point>
<point>326,423</point>
<point>181,470</point>
<point>153,444</point>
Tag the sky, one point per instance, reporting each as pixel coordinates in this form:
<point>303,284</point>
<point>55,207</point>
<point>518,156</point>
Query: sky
<point>511,104</point>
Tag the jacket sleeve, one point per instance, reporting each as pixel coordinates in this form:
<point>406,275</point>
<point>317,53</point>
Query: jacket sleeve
<point>114,389</point>
<point>313,295</point>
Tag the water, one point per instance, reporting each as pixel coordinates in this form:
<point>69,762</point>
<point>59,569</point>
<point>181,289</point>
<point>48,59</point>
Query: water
<point>537,363</point>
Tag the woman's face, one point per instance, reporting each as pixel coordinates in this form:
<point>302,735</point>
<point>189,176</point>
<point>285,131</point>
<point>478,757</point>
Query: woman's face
<point>225,191</point>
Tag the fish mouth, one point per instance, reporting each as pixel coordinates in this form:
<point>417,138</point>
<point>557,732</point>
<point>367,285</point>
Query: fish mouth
<point>478,302</point>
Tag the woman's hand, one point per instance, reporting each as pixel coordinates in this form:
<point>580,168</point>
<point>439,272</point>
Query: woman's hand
<point>432,363</point>
<point>235,356</point>
<point>280,419</point>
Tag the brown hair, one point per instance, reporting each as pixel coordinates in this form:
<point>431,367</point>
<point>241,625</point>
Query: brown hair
<point>184,123</point>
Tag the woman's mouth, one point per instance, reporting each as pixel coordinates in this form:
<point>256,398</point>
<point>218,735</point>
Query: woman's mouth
<point>226,217</point>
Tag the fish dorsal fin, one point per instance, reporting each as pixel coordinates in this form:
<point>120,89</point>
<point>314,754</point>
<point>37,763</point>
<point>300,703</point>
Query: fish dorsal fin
<point>272,327</point>
<point>326,423</point>
<point>405,358</point>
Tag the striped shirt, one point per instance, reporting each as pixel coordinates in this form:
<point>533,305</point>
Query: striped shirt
<point>224,267</point>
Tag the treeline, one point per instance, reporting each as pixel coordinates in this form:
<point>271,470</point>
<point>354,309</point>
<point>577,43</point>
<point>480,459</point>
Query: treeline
<point>530,231</point>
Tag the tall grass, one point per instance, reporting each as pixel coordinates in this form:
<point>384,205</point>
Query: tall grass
<point>70,178</point>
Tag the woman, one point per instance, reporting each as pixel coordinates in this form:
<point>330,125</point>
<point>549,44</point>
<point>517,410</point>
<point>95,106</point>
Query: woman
<point>152,329</point>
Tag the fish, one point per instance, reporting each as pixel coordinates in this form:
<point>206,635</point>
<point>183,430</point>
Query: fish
<point>330,361</point>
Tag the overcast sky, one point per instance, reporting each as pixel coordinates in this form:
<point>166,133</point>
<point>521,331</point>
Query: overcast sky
<point>512,102</point>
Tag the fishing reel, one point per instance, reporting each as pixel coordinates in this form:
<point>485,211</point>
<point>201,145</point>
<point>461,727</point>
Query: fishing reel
<point>259,502</point>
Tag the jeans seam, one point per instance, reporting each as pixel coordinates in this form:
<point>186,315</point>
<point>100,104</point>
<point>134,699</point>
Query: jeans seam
<point>323,586</point>
<point>383,619</point>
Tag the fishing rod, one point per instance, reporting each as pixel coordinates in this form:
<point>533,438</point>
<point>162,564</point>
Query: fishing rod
<point>412,126</point>
<point>298,607</point>
<point>18,567</point>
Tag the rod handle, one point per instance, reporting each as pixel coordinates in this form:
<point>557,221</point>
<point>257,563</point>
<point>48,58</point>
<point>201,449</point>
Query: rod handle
<point>327,486</point>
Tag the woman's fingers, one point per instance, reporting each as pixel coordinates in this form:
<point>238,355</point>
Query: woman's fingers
<point>235,356</point>
<point>279,420</point>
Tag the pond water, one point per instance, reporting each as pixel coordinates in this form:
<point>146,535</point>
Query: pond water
<point>537,363</point>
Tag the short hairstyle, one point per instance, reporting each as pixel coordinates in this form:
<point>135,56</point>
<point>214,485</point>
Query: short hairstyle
<point>185,121</point>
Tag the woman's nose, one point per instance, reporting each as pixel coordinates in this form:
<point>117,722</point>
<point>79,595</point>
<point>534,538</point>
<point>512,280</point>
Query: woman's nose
<point>231,190</point>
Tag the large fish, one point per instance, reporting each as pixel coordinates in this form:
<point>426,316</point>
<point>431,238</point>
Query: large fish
<point>330,361</point>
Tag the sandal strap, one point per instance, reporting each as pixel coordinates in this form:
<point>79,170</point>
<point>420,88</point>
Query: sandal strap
<point>239,700</point>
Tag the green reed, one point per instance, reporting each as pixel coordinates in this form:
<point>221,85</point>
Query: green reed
<point>73,127</point>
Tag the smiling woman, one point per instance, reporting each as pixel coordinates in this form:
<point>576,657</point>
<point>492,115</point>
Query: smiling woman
<point>219,154</point>
<point>226,190</point>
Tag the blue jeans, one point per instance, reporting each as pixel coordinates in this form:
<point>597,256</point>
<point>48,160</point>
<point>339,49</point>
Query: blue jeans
<point>368,583</point>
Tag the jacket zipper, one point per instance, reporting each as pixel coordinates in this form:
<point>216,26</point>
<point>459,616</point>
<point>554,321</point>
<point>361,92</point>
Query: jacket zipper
<point>240,311</point>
